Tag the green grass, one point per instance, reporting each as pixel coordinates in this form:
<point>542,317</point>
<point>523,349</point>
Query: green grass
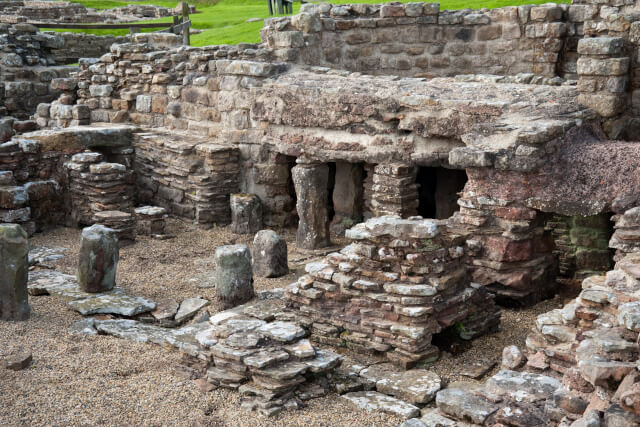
<point>224,22</point>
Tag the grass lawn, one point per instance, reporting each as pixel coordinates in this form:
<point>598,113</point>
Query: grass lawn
<point>224,23</point>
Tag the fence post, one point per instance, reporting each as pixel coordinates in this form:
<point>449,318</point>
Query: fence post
<point>186,40</point>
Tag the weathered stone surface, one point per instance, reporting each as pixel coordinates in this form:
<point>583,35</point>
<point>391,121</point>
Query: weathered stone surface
<point>114,303</point>
<point>512,357</point>
<point>372,401</point>
<point>98,262</point>
<point>189,307</point>
<point>18,361</point>
<point>282,331</point>
<point>269,254</point>
<point>311,182</point>
<point>461,403</point>
<point>234,277</point>
<point>14,266</point>
<point>246,213</point>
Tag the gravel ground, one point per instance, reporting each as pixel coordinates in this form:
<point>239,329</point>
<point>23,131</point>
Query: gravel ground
<point>89,380</point>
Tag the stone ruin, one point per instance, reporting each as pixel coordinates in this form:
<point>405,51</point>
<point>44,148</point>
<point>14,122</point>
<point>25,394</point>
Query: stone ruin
<point>50,11</point>
<point>471,158</point>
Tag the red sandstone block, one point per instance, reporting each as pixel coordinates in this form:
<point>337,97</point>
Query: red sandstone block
<point>515,214</point>
<point>505,250</point>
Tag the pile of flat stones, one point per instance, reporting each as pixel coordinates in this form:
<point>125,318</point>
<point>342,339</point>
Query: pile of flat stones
<point>97,186</point>
<point>399,282</point>
<point>626,237</point>
<point>592,344</point>
<point>392,190</point>
<point>270,362</point>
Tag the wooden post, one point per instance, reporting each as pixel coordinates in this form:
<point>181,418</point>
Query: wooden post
<point>175,22</point>
<point>186,40</point>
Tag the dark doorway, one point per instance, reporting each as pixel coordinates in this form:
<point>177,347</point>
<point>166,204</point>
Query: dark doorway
<point>438,192</point>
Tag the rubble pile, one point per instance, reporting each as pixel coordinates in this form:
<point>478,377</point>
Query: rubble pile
<point>398,283</point>
<point>592,343</point>
<point>270,362</point>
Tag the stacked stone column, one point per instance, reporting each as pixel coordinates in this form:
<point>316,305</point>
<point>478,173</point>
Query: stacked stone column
<point>347,196</point>
<point>603,69</point>
<point>511,251</point>
<point>393,190</point>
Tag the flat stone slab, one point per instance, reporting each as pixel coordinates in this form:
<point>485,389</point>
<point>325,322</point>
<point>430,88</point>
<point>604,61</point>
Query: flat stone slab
<point>478,369</point>
<point>44,255</point>
<point>83,137</point>
<point>18,361</point>
<point>431,417</point>
<point>324,361</point>
<point>65,286</point>
<point>132,330</point>
<point>115,303</point>
<point>416,386</point>
<point>372,401</point>
<point>83,327</point>
<point>282,331</point>
<point>522,386</point>
<point>189,307</point>
<point>460,402</point>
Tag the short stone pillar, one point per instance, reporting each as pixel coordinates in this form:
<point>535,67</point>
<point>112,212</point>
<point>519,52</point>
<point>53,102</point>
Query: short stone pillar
<point>99,254</point>
<point>246,213</point>
<point>311,182</point>
<point>347,196</point>
<point>233,275</point>
<point>14,273</point>
<point>150,220</point>
<point>269,254</point>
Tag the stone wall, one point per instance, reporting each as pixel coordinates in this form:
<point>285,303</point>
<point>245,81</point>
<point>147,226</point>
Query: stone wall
<point>81,45</point>
<point>188,176</point>
<point>417,39</point>
<point>12,12</point>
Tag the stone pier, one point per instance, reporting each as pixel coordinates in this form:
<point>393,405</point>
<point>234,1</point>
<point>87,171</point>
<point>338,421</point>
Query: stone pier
<point>310,181</point>
<point>347,196</point>
<point>14,271</point>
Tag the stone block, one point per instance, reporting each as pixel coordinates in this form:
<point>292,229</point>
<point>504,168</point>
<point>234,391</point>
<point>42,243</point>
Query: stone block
<point>246,213</point>
<point>603,67</point>
<point>233,275</point>
<point>98,262</point>
<point>14,271</point>
<point>269,254</point>
<point>143,103</point>
<point>610,46</point>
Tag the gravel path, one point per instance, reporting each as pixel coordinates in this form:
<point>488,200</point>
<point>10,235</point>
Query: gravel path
<point>89,380</point>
